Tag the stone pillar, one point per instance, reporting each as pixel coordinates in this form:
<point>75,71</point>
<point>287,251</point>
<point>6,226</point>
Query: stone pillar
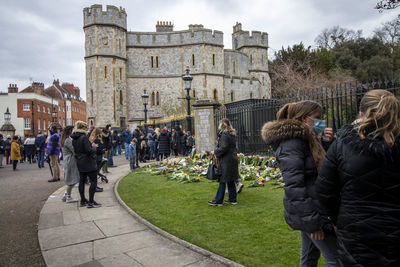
<point>204,124</point>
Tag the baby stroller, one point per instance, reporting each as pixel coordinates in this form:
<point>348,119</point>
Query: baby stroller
<point>100,175</point>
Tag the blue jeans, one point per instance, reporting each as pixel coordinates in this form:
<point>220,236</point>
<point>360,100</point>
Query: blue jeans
<point>119,149</point>
<point>219,198</point>
<point>132,162</point>
<point>152,145</point>
<point>110,160</point>
<point>40,157</point>
<point>311,250</point>
<point>114,150</point>
<point>126,145</point>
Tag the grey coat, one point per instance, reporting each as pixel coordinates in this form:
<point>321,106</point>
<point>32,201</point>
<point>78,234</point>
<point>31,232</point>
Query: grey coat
<point>71,172</point>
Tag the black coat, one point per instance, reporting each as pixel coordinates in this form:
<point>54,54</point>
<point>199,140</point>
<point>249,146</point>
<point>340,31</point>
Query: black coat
<point>226,154</point>
<point>302,211</point>
<point>100,149</point>
<point>164,141</point>
<point>359,187</point>
<point>84,152</point>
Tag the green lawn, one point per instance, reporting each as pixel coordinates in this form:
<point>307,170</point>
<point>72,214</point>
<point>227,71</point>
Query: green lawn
<point>252,233</point>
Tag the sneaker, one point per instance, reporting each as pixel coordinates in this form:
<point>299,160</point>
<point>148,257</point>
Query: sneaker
<point>70,199</point>
<point>52,180</point>
<point>84,203</point>
<point>239,187</point>
<point>231,202</point>
<point>93,204</point>
<point>64,198</point>
<point>213,203</point>
<point>99,189</point>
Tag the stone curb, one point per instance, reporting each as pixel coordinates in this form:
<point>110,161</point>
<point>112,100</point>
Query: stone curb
<point>173,238</point>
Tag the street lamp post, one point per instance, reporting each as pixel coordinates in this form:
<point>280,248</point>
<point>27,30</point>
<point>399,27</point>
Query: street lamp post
<point>54,114</point>
<point>7,117</point>
<point>187,81</point>
<point>145,100</point>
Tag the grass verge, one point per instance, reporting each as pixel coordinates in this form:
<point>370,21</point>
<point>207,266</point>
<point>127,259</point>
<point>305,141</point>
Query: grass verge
<point>252,233</point>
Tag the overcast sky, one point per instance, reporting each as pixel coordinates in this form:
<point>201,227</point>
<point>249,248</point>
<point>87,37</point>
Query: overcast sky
<point>43,39</point>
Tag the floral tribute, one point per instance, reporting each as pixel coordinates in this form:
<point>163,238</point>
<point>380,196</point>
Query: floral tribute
<point>254,171</point>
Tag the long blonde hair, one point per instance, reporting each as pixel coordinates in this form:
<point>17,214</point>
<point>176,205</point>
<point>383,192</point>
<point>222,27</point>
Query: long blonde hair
<point>380,117</point>
<point>225,126</point>
<point>96,134</point>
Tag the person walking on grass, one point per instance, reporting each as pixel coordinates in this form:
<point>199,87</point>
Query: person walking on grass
<point>228,163</point>
<point>71,172</point>
<point>86,161</point>
<point>53,150</point>
<point>131,150</point>
<point>15,152</point>
<point>359,184</point>
<point>294,136</point>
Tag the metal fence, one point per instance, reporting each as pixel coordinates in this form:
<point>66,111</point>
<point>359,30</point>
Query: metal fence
<point>340,106</point>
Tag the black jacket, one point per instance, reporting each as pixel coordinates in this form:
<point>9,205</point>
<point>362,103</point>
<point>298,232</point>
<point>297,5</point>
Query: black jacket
<point>226,154</point>
<point>164,141</point>
<point>289,139</point>
<point>84,152</point>
<point>359,187</point>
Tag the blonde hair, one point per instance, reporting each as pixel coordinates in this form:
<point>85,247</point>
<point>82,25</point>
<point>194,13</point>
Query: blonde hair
<point>225,126</point>
<point>80,125</point>
<point>380,118</point>
<point>157,131</point>
<point>96,134</point>
<point>299,110</point>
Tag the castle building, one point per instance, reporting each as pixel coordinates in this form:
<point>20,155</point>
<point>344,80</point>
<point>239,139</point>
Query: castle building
<point>121,64</point>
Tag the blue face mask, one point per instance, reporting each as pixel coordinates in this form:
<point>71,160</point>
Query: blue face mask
<point>319,126</point>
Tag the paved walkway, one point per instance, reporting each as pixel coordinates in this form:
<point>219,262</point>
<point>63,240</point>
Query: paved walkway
<point>112,235</point>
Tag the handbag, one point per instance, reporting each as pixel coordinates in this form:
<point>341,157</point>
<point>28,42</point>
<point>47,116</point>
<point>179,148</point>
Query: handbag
<point>213,173</point>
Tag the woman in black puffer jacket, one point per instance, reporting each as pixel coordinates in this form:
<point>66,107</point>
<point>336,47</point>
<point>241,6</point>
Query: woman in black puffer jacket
<point>300,154</point>
<point>359,184</point>
<point>228,163</point>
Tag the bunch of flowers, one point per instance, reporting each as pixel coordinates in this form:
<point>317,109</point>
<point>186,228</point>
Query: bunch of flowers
<point>259,182</point>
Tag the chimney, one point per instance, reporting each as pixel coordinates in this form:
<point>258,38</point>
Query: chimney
<point>164,26</point>
<point>12,89</point>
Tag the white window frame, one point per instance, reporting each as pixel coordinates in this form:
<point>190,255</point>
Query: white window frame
<point>48,110</point>
<point>44,109</point>
<point>38,108</point>
<point>27,123</point>
<point>38,124</point>
<point>26,107</point>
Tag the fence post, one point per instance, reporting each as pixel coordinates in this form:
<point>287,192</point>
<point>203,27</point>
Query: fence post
<point>204,124</point>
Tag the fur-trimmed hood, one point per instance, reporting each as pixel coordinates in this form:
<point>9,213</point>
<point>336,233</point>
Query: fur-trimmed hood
<point>274,132</point>
<point>377,147</point>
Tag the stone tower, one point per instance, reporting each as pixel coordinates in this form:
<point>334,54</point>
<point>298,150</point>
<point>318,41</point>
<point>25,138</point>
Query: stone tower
<point>105,58</point>
<point>255,46</point>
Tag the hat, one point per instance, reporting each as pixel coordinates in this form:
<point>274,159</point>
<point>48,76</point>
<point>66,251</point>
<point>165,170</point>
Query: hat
<point>164,130</point>
<point>149,126</point>
<point>80,125</point>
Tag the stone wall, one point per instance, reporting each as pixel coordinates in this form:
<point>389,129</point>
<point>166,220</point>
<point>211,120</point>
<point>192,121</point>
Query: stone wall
<point>206,132</point>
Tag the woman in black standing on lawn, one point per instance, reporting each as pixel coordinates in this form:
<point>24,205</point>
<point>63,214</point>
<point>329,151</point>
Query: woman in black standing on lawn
<point>85,154</point>
<point>228,163</point>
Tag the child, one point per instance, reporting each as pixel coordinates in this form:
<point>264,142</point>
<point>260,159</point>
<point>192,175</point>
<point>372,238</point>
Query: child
<point>132,153</point>
<point>15,152</point>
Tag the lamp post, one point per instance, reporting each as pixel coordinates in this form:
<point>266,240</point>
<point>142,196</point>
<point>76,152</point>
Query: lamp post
<point>187,81</point>
<point>54,114</point>
<point>145,100</point>
<point>7,117</point>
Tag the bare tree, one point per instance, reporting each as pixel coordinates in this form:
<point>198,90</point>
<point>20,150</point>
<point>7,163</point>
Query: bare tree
<point>387,4</point>
<point>331,37</point>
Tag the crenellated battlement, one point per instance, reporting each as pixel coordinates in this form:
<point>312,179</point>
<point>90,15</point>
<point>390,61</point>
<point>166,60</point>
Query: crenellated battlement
<point>195,35</point>
<point>111,16</point>
<point>242,38</point>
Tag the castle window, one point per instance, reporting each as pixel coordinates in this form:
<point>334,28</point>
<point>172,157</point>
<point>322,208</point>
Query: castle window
<point>121,99</point>
<point>234,67</point>
<point>120,74</point>
<point>232,96</point>
<point>251,95</point>
<point>26,107</point>
<point>154,62</point>
<point>215,94</point>
<point>262,59</point>
<point>90,73</point>
<point>158,98</point>
<point>91,96</point>
<point>251,59</point>
<point>193,62</point>
<point>263,80</point>
<point>153,99</point>
<point>120,46</point>
<point>105,72</point>
<point>213,60</point>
